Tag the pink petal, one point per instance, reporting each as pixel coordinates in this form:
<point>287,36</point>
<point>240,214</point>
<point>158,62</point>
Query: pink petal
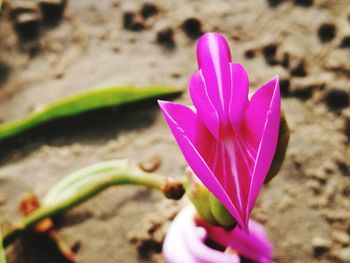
<point>238,101</point>
<point>183,122</point>
<point>181,116</point>
<point>254,246</point>
<point>184,242</point>
<point>213,55</point>
<point>205,108</point>
<point>239,96</point>
<point>262,119</point>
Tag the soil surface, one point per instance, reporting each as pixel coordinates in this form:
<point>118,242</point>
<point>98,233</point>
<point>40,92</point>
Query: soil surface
<point>306,208</point>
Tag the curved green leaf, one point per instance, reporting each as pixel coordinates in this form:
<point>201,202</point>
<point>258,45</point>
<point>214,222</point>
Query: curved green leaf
<point>83,102</point>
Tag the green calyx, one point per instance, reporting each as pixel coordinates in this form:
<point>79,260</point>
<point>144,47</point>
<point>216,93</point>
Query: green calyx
<point>221,214</point>
<point>207,206</point>
<point>199,197</point>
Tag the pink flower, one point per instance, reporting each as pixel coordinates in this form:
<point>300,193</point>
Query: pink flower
<point>228,140</point>
<point>185,242</point>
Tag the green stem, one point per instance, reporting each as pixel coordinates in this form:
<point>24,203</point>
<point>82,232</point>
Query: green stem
<point>152,181</point>
<point>85,184</point>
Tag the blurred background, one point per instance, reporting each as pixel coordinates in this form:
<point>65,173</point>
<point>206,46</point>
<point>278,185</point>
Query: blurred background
<point>50,49</point>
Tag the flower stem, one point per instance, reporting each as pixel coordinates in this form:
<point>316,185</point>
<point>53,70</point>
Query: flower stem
<point>87,183</point>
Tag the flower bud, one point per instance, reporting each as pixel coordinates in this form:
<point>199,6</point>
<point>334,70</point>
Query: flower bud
<point>199,196</point>
<point>221,214</point>
<point>208,207</point>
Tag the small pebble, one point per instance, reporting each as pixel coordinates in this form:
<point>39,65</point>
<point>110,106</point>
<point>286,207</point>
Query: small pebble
<point>152,164</point>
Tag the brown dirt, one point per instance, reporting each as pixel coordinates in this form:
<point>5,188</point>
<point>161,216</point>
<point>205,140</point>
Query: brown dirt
<point>306,208</point>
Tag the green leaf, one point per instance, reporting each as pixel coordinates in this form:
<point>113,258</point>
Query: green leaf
<point>84,102</point>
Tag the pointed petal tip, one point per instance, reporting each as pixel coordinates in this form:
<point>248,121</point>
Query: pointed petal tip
<point>276,88</point>
<point>276,77</point>
<point>164,104</point>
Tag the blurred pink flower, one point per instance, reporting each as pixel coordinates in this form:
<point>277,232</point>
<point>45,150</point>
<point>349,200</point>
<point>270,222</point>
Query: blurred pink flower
<point>227,140</point>
<point>185,242</point>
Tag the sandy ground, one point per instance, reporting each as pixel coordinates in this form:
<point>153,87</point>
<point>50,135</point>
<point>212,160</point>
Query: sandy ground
<point>306,208</point>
